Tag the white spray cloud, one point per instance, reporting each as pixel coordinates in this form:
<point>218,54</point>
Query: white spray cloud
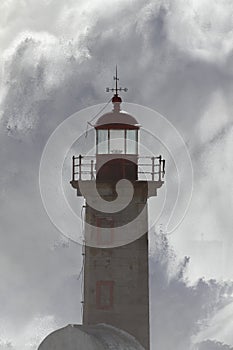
<point>201,28</point>
<point>174,56</point>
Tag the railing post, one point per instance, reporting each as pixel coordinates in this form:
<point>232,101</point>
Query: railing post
<point>160,167</point>
<point>163,170</point>
<point>92,170</point>
<point>73,168</point>
<point>153,168</point>
<point>80,167</point>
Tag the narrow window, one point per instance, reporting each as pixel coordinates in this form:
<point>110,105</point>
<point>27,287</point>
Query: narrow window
<point>102,141</point>
<point>131,142</point>
<point>117,141</point>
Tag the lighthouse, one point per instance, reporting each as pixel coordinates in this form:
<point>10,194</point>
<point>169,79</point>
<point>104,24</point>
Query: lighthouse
<point>116,183</point>
<point>116,273</point>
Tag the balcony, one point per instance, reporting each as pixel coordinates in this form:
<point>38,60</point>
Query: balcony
<point>84,168</point>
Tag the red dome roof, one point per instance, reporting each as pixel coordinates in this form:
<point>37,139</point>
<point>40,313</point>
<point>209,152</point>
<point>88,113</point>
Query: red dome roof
<point>117,117</point>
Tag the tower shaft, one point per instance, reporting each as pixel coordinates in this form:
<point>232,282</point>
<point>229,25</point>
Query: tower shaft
<point>116,289</point>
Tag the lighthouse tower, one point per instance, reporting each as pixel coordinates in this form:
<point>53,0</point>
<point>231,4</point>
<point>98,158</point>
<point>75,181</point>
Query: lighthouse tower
<point>116,277</point>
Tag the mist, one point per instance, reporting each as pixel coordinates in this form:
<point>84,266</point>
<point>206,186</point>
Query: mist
<point>57,57</point>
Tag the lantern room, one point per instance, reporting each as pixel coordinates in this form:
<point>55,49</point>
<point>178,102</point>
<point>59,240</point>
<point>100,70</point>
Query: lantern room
<point>117,151</point>
<point>117,134</point>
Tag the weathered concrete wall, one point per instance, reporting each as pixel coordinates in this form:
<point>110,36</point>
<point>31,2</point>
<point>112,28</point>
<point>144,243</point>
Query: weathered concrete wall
<point>99,337</point>
<point>116,289</point>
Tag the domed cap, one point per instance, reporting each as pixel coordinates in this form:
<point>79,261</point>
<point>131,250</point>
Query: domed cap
<point>116,117</point>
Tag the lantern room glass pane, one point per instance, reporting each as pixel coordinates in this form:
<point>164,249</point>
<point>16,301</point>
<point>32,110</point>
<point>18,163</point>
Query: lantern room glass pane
<point>102,141</point>
<point>131,141</point>
<point>117,141</point>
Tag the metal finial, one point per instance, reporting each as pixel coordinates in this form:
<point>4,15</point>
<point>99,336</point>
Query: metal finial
<point>116,89</point>
<point>116,79</point>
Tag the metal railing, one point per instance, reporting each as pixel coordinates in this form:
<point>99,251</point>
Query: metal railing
<point>149,168</point>
<point>152,167</point>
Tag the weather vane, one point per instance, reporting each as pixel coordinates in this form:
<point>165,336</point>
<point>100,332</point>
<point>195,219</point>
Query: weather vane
<point>116,89</point>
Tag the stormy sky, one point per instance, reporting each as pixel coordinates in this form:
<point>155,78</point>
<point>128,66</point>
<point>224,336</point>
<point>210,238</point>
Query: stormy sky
<point>57,57</point>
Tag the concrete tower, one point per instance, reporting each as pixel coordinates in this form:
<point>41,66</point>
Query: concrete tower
<point>116,277</point>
